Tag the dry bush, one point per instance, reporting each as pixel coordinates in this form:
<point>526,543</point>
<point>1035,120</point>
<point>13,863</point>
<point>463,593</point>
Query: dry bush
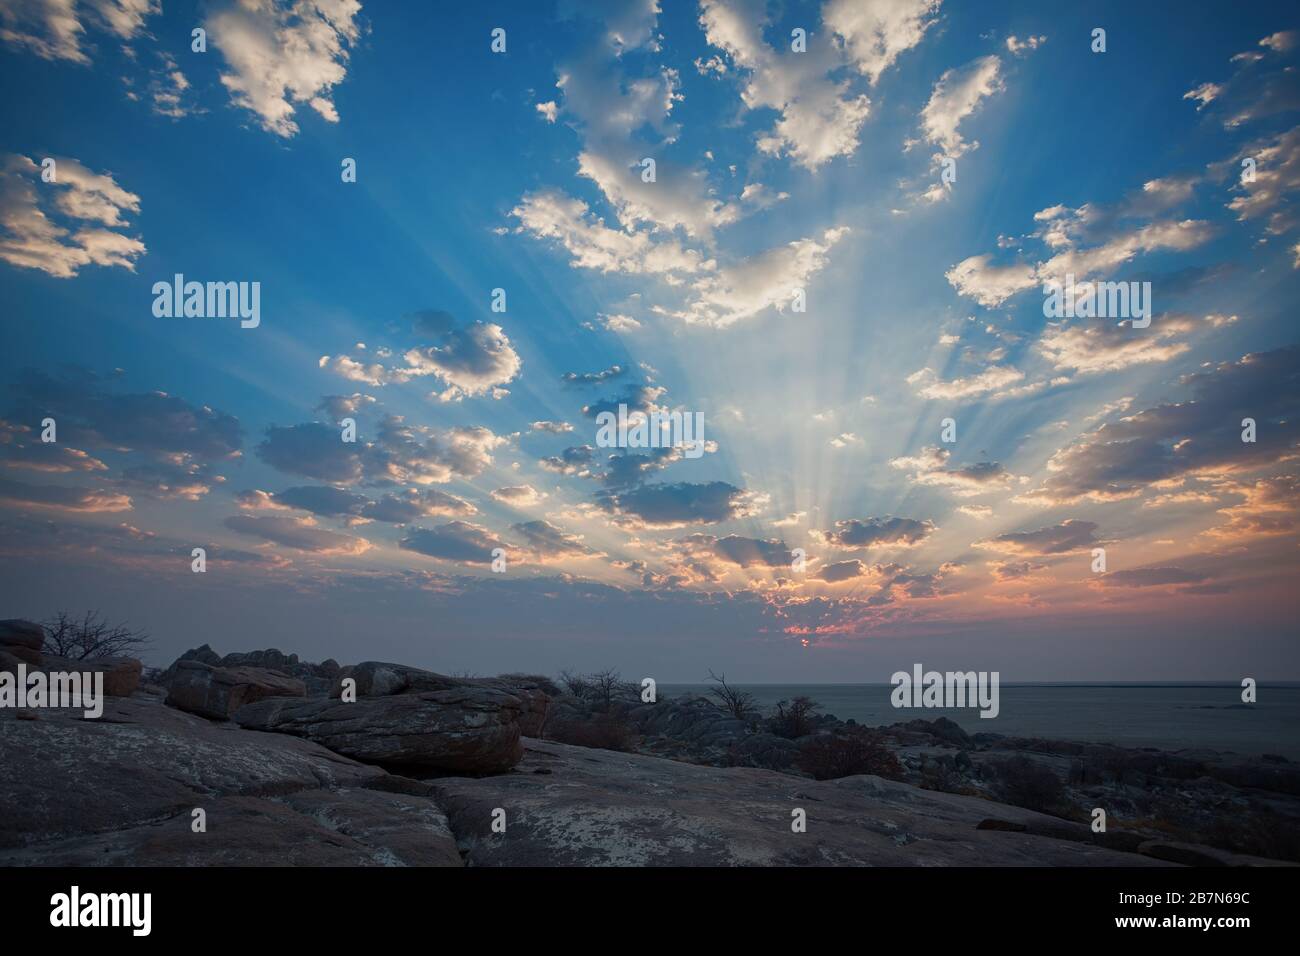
<point>601,731</point>
<point>1022,782</point>
<point>848,752</point>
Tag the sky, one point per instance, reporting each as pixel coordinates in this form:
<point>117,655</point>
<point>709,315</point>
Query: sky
<point>839,264</point>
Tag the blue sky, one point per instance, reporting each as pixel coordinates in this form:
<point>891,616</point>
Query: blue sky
<point>776,170</point>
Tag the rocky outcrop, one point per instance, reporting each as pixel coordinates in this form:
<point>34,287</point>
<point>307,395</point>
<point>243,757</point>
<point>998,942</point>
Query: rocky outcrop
<point>21,641</point>
<point>217,692</point>
<point>317,678</point>
<point>121,674</point>
<point>464,728</point>
<point>122,791</point>
<point>381,679</point>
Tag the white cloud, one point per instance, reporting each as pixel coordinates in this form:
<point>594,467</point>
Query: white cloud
<point>876,32</point>
<point>282,55</point>
<point>54,29</point>
<point>957,95</point>
<point>93,204</point>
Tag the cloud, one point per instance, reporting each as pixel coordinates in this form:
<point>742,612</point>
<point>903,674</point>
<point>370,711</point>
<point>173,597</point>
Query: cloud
<point>322,500</point>
<point>957,95</point>
<point>1262,85</point>
<point>1150,578</point>
<point>411,504</point>
<point>1108,346</point>
<point>20,447</point>
<point>54,29</point>
<point>628,23</point>
<point>842,571</point>
<point>876,32</point>
<point>992,379</point>
<point>552,428</point>
<point>282,55</point>
<point>877,532</point>
<point>1277,180</point>
<point>549,214</point>
<point>930,467</point>
<point>519,496</point>
<point>744,552</point>
<point>1019,47</point>
<point>681,504</point>
<point>751,286</point>
<point>1086,242</point>
<point>92,206</point>
<point>153,423</point>
<point>300,534</point>
<point>400,453</point>
<point>338,407</point>
<point>1069,536</point>
<point>1270,506</point>
<point>576,460</point>
<point>454,541</point>
<point>471,361</point>
<point>546,542</point>
<point>61,498</point>
<point>594,378</point>
<point>1201,436</point>
<point>820,118</point>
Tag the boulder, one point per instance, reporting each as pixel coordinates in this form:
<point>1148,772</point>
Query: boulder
<point>23,640</point>
<point>463,729</point>
<point>217,692</point>
<point>381,679</point>
<point>121,674</point>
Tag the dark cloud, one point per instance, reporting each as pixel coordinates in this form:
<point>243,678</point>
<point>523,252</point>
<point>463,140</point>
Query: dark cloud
<point>746,552</point>
<point>876,532</point>
<point>454,541</point>
<point>637,398</point>
<point>411,504</point>
<point>62,498</point>
<point>1070,535</point>
<point>576,460</point>
<point>156,423</point>
<point>680,504</point>
<point>298,533</point>
<point>594,378</point>
<point>399,453</point>
<point>1151,577</point>
<point>841,571</point>
<point>1170,441</point>
<point>544,540</point>
<point>313,450</point>
<point>322,500</point>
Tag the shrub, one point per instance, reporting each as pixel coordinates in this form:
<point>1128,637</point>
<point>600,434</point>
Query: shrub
<point>848,752</point>
<point>794,718</point>
<point>1022,782</point>
<point>602,731</point>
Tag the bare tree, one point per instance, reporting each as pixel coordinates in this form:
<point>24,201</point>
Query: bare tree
<point>605,686</point>
<point>576,684</point>
<point>794,718</point>
<point>737,703</point>
<point>91,637</point>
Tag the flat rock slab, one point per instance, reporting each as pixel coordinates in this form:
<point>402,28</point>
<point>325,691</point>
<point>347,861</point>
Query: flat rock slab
<point>466,729</point>
<point>311,828</point>
<point>121,789</point>
<point>217,692</point>
<point>572,806</point>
